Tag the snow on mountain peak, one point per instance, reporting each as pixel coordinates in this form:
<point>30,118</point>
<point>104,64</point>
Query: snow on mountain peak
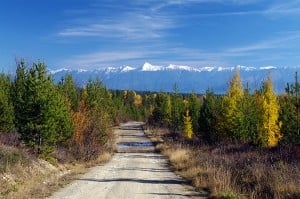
<point>178,67</point>
<point>225,68</point>
<point>59,70</point>
<point>110,69</point>
<point>171,67</point>
<point>207,68</point>
<point>80,70</point>
<point>127,69</point>
<point>245,68</point>
<point>267,67</point>
<point>149,67</point>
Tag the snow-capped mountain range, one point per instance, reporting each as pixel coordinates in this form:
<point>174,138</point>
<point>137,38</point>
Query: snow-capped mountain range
<point>187,78</point>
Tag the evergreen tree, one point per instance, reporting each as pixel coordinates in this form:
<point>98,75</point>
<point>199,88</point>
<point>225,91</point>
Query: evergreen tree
<point>19,95</point>
<point>210,117</point>
<point>6,106</point>
<point>42,116</point>
<point>162,110</point>
<point>288,116</point>
<point>119,110</point>
<point>194,110</point>
<point>289,113</point>
<point>177,111</point>
<point>99,101</point>
<point>132,102</point>
<point>247,117</point>
<point>68,89</point>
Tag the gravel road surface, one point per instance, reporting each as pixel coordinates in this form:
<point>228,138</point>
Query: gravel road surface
<point>136,171</point>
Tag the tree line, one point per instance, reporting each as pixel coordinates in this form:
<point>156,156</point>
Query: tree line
<point>50,116</point>
<point>260,117</point>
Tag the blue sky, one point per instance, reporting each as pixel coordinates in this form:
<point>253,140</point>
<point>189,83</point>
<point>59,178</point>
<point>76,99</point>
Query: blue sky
<point>90,34</point>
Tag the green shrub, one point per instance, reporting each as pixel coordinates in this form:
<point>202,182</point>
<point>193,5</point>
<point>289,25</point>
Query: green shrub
<point>228,196</point>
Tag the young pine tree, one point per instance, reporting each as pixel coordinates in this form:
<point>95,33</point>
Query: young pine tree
<point>99,101</point>
<point>177,111</point>
<point>247,118</point>
<point>161,114</point>
<point>42,116</point>
<point>289,113</point>
<point>194,110</point>
<point>68,89</point>
<point>210,117</point>
<point>6,106</point>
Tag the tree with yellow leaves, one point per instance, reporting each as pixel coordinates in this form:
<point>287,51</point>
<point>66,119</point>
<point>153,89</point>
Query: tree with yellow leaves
<point>137,100</point>
<point>187,125</point>
<point>233,97</point>
<point>269,133</point>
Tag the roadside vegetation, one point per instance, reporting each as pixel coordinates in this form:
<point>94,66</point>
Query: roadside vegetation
<point>232,170</point>
<point>50,132</point>
<point>243,144</point>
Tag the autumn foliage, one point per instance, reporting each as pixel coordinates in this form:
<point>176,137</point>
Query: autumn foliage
<point>187,125</point>
<point>270,132</point>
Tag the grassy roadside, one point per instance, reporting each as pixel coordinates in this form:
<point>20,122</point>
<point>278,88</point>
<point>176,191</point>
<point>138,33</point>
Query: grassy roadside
<point>232,170</point>
<point>25,176</point>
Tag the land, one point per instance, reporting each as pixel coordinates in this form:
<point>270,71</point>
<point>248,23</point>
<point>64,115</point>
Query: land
<point>135,171</point>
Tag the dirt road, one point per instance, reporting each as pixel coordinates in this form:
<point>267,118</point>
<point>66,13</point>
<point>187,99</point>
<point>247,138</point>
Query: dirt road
<point>136,171</point>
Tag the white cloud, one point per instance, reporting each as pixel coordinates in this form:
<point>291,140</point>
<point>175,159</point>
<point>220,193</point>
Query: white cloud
<point>133,25</point>
<point>285,7</point>
<point>102,58</point>
<point>150,21</point>
<point>157,54</point>
<point>144,20</point>
<point>283,41</point>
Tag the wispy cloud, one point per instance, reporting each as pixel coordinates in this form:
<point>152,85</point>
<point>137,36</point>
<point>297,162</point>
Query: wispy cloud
<point>131,26</point>
<point>285,7</point>
<point>103,58</point>
<point>148,19</point>
<point>145,20</point>
<point>278,8</point>
<point>164,55</point>
<point>157,54</point>
<point>282,41</point>
<point>152,20</point>
<point>126,22</point>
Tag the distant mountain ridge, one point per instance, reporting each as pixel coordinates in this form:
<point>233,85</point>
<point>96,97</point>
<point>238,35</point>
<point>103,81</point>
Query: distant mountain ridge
<point>187,78</point>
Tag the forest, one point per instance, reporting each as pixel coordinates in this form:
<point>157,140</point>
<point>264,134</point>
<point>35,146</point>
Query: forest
<point>48,118</point>
<point>48,115</point>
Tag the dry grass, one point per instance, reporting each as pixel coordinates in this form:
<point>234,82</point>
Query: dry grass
<point>156,135</point>
<point>29,177</point>
<point>179,156</point>
<point>235,170</point>
<point>22,175</point>
<point>41,181</point>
